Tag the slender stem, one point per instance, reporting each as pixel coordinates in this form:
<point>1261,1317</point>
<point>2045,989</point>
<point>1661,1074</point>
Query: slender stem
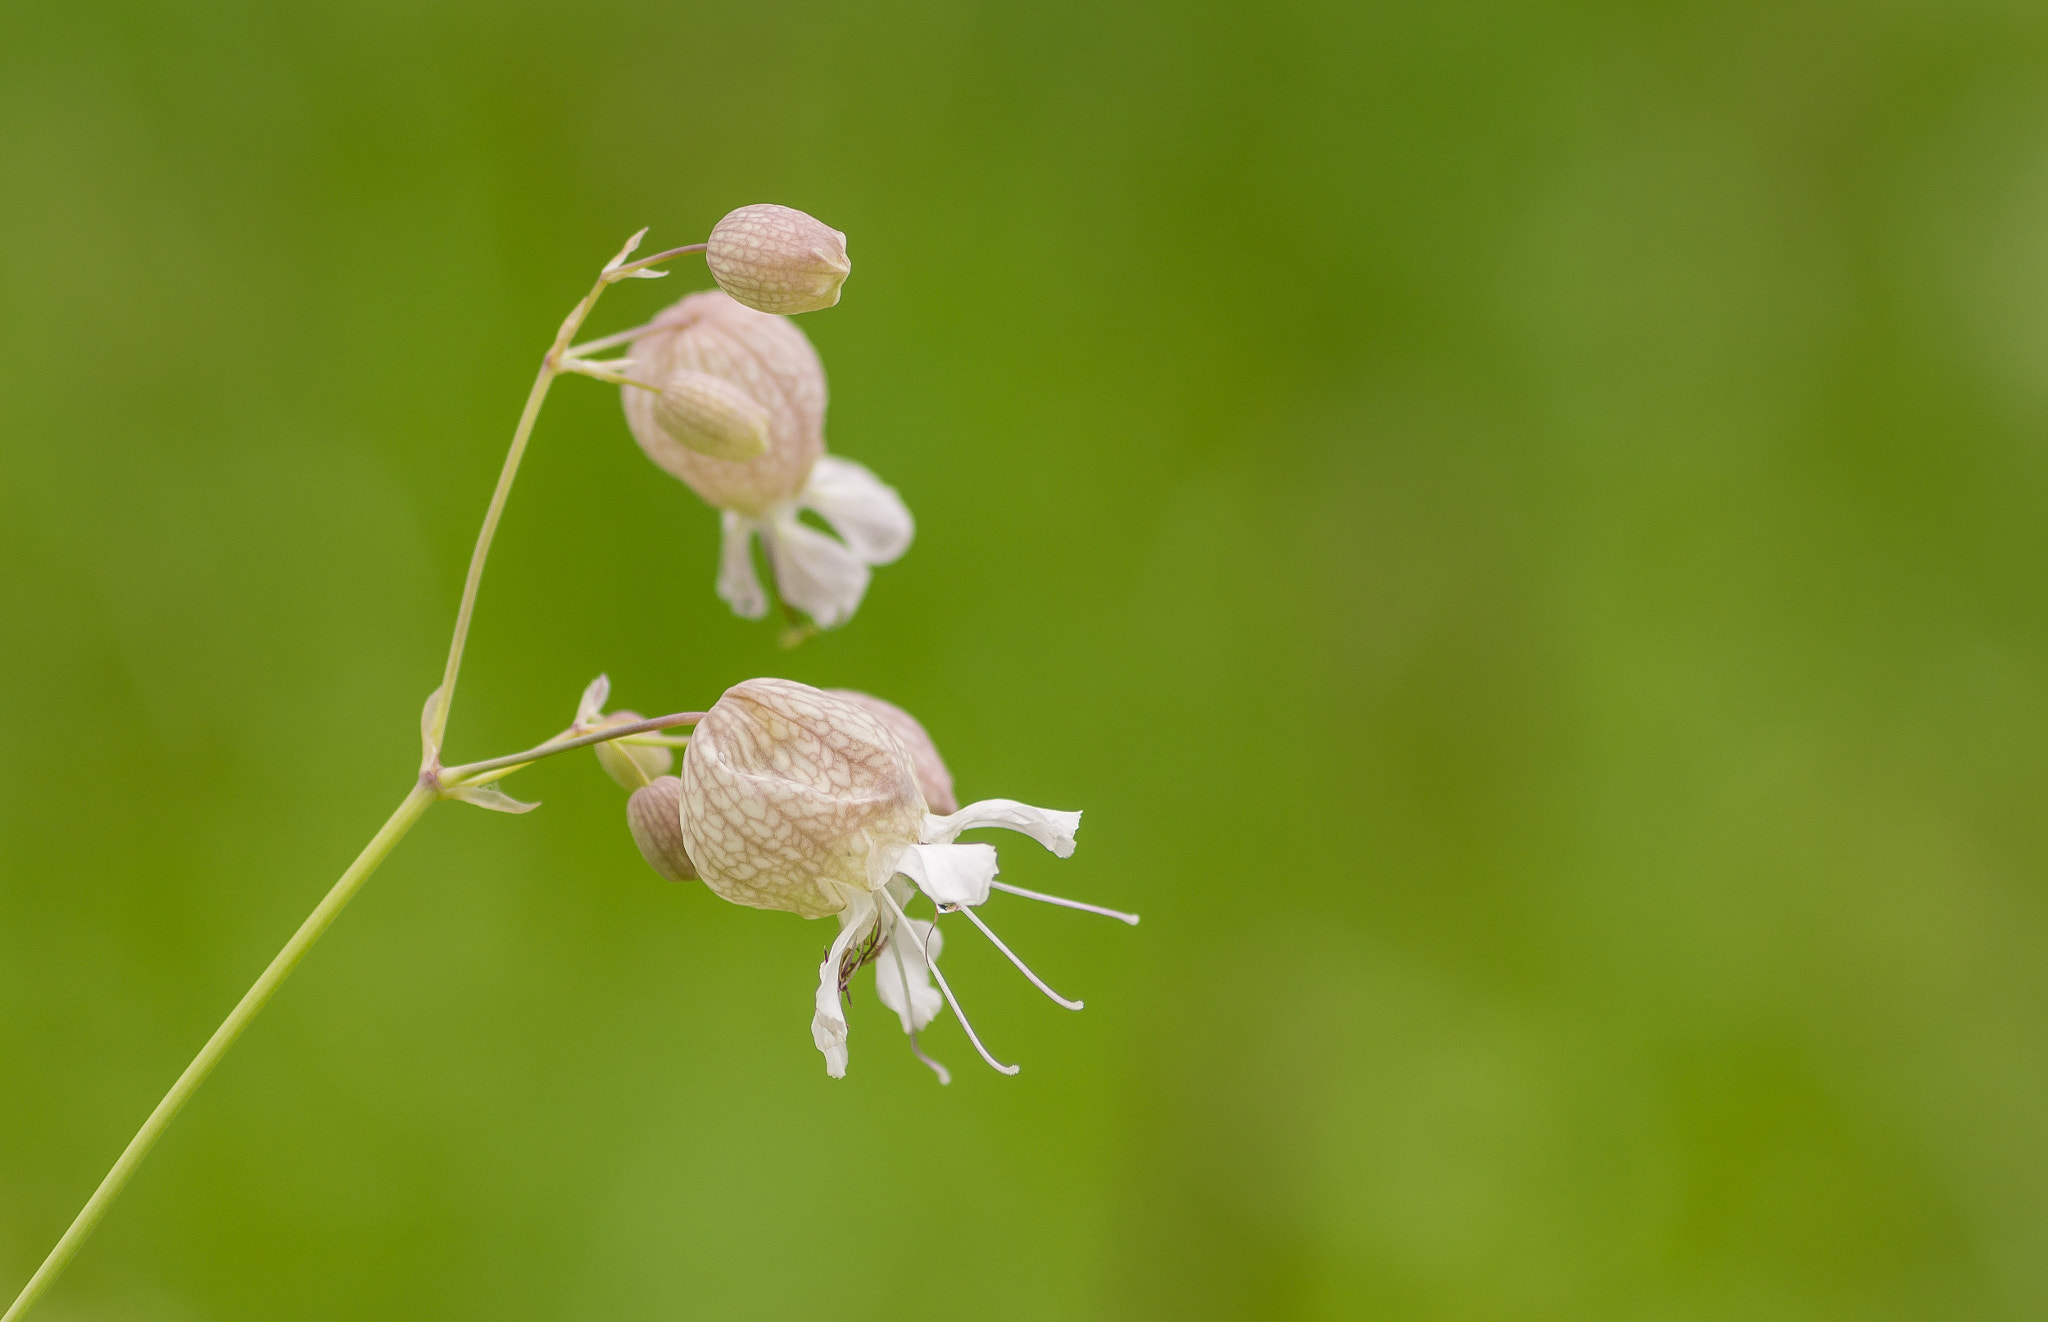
<point>631,268</point>
<point>431,786</point>
<point>482,552</point>
<point>471,770</point>
<point>602,372</point>
<point>246,1009</point>
<point>609,341</point>
<point>550,368</point>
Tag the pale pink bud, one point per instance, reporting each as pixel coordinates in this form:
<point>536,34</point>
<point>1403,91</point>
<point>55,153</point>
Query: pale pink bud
<point>778,259</point>
<point>655,815</point>
<point>796,799</point>
<point>632,765</point>
<point>767,361</point>
<point>932,777</point>
<point>712,416</point>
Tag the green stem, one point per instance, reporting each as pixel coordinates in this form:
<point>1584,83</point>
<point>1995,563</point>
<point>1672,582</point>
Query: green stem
<point>429,788</point>
<point>474,770</point>
<point>551,366</point>
<point>248,1008</point>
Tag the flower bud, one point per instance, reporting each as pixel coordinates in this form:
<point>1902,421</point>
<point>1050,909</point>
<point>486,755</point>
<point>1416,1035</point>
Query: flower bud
<point>655,815</point>
<point>796,799</point>
<point>777,259</point>
<point>632,765</point>
<point>712,417</point>
<point>932,777</point>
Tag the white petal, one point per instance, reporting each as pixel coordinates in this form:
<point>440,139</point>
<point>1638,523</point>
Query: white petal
<point>813,572</point>
<point>902,966</point>
<point>737,585</point>
<point>862,508</point>
<point>1055,830</point>
<point>828,1021</point>
<point>950,874</point>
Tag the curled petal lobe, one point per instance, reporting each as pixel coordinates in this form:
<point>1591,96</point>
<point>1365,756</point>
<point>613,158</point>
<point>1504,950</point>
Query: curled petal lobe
<point>814,573</point>
<point>1051,828</point>
<point>950,874</point>
<point>861,508</point>
<point>903,980</point>
<point>828,1020</point>
<point>738,585</point>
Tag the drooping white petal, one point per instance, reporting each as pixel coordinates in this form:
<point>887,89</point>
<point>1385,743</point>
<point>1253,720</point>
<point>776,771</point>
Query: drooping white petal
<point>814,572</point>
<point>828,1021</point>
<point>903,980</point>
<point>950,874</point>
<point>1053,829</point>
<point>861,508</point>
<point>738,586</point>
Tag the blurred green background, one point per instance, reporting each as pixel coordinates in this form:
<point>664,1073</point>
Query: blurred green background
<point>1520,524</point>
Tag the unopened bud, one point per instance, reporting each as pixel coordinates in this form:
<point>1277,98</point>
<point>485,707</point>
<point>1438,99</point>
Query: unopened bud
<point>655,814</point>
<point>632,765</point>
<point>777,259</point>
<point>713,417</point>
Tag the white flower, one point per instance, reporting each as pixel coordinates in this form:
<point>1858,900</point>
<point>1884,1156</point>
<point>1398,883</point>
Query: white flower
<point>799,799</point>
<point>709,350</point>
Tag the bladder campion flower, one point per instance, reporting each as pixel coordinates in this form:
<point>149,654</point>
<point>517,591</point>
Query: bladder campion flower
<point>778,259</point>
<point>810,801</point>
<point>766,362</point>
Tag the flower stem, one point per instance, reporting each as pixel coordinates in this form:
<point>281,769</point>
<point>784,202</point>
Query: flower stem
<point>246,1009</point>
<point>550,367</point>
<point>472,770</point>
<point>423,795</point>
<point>549,370</point>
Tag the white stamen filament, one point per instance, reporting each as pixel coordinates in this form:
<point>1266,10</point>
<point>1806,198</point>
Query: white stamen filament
<point>910,1004</point>
<point>1022,967</point>
<point>1130,918</point>
<point>933,964</point>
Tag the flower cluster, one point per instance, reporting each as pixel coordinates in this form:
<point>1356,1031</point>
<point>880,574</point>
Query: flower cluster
<point>728,396</point>
<point>821,803</point>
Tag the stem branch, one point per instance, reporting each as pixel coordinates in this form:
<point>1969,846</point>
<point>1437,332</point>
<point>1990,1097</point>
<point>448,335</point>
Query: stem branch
<point>471,770</point>
<point>429,788</point>
<point>246,1009</point>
